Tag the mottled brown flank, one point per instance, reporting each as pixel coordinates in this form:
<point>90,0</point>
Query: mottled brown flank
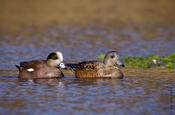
<point>88,69</point>
<point>87,74</point>
<point>99,72</point>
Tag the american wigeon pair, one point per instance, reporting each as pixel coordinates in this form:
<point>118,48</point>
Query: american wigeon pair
<point>88,69</point>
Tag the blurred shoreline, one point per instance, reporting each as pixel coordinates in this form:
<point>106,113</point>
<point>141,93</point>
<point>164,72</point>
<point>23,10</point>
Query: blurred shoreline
<point>42,13</point>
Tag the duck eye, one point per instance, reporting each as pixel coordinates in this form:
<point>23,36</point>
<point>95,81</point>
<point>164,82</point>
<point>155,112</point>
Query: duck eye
<point>112,56</point>
<point>55,58</point>
<point>52,56</point>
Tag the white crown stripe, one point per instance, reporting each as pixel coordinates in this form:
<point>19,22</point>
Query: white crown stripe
<point>60,55</point>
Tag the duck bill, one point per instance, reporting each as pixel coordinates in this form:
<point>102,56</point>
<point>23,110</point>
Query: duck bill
<point>120,63</point>
<point>62,65</point>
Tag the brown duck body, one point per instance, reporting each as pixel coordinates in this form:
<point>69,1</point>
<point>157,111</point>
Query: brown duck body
<point>95,69</point>
<point>99,69</point>
<point>38,69</point>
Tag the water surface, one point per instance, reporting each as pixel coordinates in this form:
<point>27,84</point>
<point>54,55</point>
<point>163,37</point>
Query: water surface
<point>149,91</point>
<point>76,96</point>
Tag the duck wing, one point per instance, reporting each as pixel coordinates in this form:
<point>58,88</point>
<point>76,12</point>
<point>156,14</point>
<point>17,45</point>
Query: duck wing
<point>22,64</point>
<point>83,65</point>
<point>30,64</point>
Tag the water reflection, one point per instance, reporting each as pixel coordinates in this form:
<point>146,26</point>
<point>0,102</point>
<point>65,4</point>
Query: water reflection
<point>78,96</point>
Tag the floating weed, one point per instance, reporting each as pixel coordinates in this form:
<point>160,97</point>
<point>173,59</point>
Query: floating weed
<point>148,62</point>
<point>170,65</point>
<point>172,56</point>
<point>138,62</point>
<point>101,56</point>
<point>166,60</point>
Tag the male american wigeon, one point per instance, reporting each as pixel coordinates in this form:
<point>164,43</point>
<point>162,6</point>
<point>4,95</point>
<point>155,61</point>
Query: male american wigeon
<point>99,69</point>
<point>37,69</point>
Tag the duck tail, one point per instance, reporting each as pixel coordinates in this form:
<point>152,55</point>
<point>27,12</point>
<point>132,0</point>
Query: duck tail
<point>17,66</point>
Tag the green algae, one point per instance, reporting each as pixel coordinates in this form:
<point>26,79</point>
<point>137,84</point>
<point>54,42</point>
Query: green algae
<point>149,61</point>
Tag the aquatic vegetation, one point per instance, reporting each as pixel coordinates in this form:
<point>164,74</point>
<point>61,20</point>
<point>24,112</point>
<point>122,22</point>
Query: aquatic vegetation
<point>149,61</point>
<point>102,56</point>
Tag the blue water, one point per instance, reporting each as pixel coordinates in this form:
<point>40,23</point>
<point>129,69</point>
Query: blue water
<point>132,95</point>
<point>75,96</point>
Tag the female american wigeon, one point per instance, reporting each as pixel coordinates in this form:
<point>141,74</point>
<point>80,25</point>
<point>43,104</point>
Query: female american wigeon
<point>97,69</point>
<point>37,69</point>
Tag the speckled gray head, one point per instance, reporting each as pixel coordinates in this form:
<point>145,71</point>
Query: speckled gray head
<point>112,58</point>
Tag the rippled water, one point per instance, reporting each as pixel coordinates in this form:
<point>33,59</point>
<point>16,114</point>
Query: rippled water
<point>74,96</point>
<point>132,95</point>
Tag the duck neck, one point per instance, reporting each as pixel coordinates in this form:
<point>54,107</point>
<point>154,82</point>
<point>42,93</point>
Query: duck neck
<point>51,63</point>
<point>107,63</point>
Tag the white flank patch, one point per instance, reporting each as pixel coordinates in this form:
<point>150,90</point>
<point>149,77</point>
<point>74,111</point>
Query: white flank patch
<point>30,70</point>
<point>30,81</point>
<point>154,61</point>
